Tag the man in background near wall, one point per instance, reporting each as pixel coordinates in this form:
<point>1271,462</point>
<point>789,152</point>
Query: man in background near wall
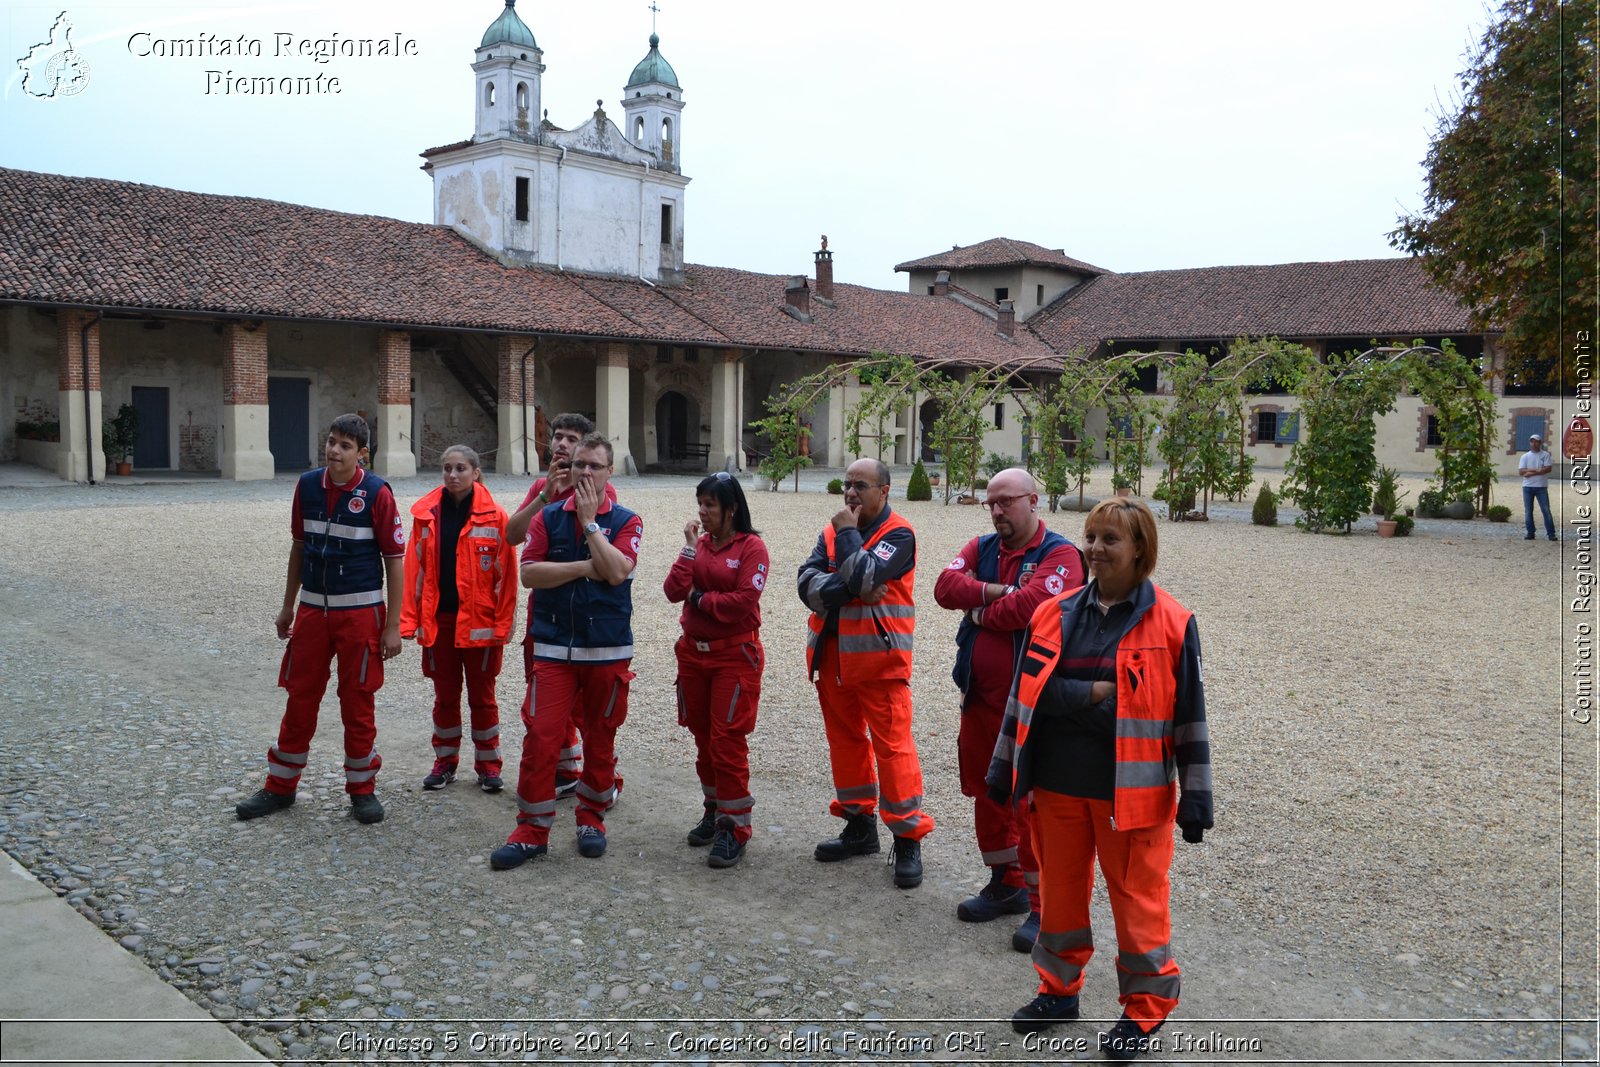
<point>1535,467</point>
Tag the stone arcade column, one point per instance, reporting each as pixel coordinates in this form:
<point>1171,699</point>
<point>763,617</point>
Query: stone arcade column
<point>246,454</point>
<point>392,446</point>
<point>726,428</point>
<point>80,457</point>
<point>611,405</point>
<point>516,452</point>
<point>835,427</point>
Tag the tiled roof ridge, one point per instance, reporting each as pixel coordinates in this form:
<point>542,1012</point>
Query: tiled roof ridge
<point>657,290</point>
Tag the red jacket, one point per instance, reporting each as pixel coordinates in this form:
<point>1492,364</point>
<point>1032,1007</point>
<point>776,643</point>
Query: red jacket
<point>730,580</point>
<point>486,574</point>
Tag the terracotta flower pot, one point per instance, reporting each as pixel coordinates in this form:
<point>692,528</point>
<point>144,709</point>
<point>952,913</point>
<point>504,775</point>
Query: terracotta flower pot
<point>1386,527</point>
<point>124,468</point>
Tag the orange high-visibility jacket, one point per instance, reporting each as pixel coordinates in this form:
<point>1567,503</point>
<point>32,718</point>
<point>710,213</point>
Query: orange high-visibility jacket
<point>1162,739</point>
<point>486,574</point>
<point>874,639</point>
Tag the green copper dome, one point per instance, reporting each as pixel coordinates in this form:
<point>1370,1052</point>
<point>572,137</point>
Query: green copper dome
<point>654,68</point>
<point>509,29</point>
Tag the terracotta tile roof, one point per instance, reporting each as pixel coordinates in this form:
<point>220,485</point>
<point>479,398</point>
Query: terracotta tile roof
<point>1361,298</point>
<point>99,243</point>
<point>999,252</point>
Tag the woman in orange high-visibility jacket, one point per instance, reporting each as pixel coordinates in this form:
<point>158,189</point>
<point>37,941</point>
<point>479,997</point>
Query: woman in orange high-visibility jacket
<point>460,603</point>
<point>1106,727</point>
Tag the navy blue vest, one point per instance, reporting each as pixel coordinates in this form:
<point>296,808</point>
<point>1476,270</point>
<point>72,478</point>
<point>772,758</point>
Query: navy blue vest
<point>583,621</point>
<point>340,565</point>
<point>986,568</point>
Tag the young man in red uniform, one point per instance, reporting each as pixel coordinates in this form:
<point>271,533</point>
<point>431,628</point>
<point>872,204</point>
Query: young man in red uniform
<point>858,584</point>
<point>566,430</point>
<point>579,562</point>
<point>718,577</point>
<point>999,580</point>
<point>349,544</point>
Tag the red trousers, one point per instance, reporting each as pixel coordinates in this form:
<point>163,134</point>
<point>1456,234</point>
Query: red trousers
<point>866,723</point>
<point>449,667</point>
<point>1069,833</point>
<point>717,697</point>
<point>352,636</point>
<point>593,694</point>
<point>1004,838</point>
<point>570,763</point>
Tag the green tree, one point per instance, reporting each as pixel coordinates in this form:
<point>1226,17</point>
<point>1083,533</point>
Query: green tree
<point>1508,217</point>
<point>1331,470</point>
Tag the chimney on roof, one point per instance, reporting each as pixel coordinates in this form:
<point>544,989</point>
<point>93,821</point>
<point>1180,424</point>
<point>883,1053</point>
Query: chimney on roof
<point>941,283</point>
<point>824,271</point>
<point>797,298</point>
<point>1006,321</point>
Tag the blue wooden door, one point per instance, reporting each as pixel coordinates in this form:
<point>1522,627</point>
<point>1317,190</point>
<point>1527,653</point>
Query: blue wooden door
<point>289,423</point>
<point>151,447</point>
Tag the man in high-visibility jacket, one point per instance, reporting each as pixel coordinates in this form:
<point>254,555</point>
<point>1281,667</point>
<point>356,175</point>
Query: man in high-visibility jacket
<point>857,583</point>
<point>998,581</point>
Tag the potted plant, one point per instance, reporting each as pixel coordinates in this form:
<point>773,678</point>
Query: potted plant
<point>1430,504</point>
<point>1385,494</point>
<point>1122,486</point>
<point>118,437</point>
<point>933,477</point>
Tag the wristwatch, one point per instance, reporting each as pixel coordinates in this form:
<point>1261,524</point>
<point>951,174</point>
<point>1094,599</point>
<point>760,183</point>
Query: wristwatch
<point>591,527</point>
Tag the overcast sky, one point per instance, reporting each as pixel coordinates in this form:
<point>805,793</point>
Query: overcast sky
<point>1136,137</point>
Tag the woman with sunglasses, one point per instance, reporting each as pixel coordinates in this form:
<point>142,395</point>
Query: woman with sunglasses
<point>460,603</point>
<point>718,577</point>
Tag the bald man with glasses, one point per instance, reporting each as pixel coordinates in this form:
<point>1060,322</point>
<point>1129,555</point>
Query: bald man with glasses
<point>997,581</point>
<point>858,584</point>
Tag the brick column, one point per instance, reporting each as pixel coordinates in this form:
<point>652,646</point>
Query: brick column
<point>246,455</point>
<point>726,453</point>
<point>80,457</point>
<point>611,405</point>
<point>516,448</point>
<point>393,454</point>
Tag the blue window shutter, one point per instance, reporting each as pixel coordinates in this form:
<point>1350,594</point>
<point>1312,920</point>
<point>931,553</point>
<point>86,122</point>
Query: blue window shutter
<point>1288,427</point>
<point>1529,424</point>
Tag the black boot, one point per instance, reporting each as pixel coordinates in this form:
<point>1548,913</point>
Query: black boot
<point>858,838</point>
<point>907,863</point>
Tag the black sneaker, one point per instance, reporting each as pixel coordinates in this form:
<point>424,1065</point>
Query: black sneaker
<point>366,807</point>
<point>907,863</point>
<point>490,783</point>
<point>1026,934</point>
<point>726,850</point>
<point>262,802</point>
<point>566,788</point>
<point>1126,1041</point>
<point>994,900</point>
<point>591,842</point>
<point>858,838</point>
<point>441,775</point>
<point>705,831</point>
<point>1043,1012</point>
<point>515,854</point>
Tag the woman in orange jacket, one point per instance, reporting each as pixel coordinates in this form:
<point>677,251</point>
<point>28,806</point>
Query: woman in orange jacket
<point>1106,729</point>
<point>460,601</point>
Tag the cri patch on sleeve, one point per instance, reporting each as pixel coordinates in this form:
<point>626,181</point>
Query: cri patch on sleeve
<point>884,551</point>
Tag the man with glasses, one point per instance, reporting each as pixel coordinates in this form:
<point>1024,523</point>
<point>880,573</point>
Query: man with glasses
<point>997,581</point>
<point>579,562</point>
<point>566,430</point>
<point>858,584</point>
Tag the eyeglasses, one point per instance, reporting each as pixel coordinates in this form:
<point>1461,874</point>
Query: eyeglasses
<point>1003,502</point>
<point>861,487</point>
<point>590,466</point>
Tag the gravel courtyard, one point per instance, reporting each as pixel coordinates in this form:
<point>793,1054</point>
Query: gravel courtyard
<point>1395,837</point>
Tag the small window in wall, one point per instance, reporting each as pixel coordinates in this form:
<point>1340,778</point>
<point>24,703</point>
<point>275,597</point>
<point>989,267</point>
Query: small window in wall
<point>666,224</point>
<point>1277,427</point>
<point>638,130</point>
<point>522,200</point>
<point>488,95</point>
<point>999,416</point>
<point>691,355</point>
<point>663,353</point>
<point>1002,293</point>
<point>1433,440</point>
<point>930,290</point>
<point>1038,296</point>
<point>522,96</point>
<point>666,131</point>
